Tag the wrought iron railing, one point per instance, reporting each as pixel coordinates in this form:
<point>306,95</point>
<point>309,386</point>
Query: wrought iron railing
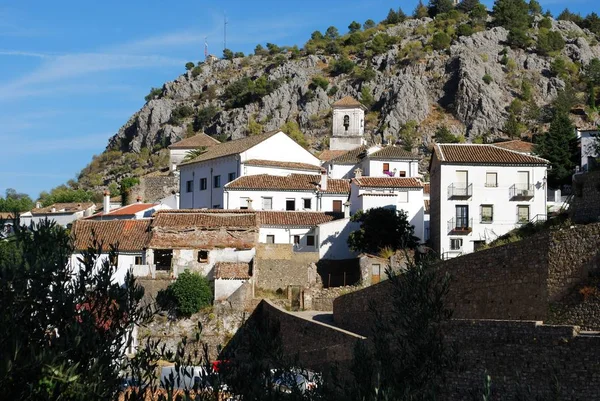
<point>521,191</point>
<point>460,226</point>
<point>460,190</point>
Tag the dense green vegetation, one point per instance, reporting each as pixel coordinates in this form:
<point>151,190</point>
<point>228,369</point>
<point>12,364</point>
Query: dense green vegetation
<point>382,228</point>
<point>15,202</point>
<point>186,295</point>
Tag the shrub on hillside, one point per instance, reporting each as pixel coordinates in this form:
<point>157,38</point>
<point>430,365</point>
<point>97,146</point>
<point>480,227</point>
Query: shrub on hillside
<point>549,42</point>
<point>180,113</point>
<point>342,66</point>
<point>319,82</point>
<point>186,295</point>
<point>441,41</point>
<point>154,92</point>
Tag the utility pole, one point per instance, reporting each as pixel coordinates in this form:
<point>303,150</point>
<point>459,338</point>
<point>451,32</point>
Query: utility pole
<point>225,32</point>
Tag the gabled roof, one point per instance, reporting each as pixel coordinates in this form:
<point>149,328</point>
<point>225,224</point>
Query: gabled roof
<point>195,142</point>
<point>292,218</point>
<point>284,165</point>
<point>393,152</point>
<point>128,235</point>
<point>292,182</point>
<point>516,145</point>
<point>129,210</point>
<point>232,147</point>
<point>482,154</point>
<point>204,218</point>
<point>348,101</point>
<point>353,156</point>
<point>328,154</point>
<point>63,208</point>
<point>232,271</point>
<point>7,216</point>
<point>387,182</point>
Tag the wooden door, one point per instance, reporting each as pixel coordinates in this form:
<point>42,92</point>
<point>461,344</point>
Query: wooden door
<point>337,206</point>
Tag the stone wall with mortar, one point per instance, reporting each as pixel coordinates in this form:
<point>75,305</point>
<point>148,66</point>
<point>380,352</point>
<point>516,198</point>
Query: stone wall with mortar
<point>153,188</point>
<point>278,266</point>
<point>585,204</point>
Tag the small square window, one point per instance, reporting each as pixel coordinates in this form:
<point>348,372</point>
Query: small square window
<point>189,186</point>
<point>203,184</point>
<point>270,239</point>
<point>267,203</point>
<point>231,177</point>
<point>290,204</point>
<point>244,203</point>
<point>202,256</point>
<point>456,244</point>
<point>402,174</point>
<point>522,214</point>
<point>386,167</point>
<point>310,240</point>
<point>307,203</point>
<point>491,180</point>
<point>217,181</point>
<point>138,260</point>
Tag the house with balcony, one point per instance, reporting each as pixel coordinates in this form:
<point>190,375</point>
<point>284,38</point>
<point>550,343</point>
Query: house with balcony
<point>292,192</point>
<point>202,179</point>
<point>480,192</point>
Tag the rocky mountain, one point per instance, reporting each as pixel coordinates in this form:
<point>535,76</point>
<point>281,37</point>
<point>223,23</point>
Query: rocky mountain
<point>468,84</point>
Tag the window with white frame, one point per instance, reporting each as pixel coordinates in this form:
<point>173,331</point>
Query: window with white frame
<point>267,203</point>
<point>491,180</point>
<point>522,214</point>
<point>290,204</point>
<point>456,244</point>
<point>487,213</point>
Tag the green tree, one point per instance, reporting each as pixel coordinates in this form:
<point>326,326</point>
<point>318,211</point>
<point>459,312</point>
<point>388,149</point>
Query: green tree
<point>332,33</point>
<point>545,23</point>
<point>354,27</point>
<point>565,100</point>
<point>227,54</point>
<point>464,30</point>
<point>511,14</point>
<point>238,55</point>
<point>592,22</point>
<point>366,97</point>
<point>316,36</point>
<point>189,65</point>
<point>64,194</point>
<point>73,330</point>
<point>443,135</point>
<point>382,228</point>
<point>592,71</point>
<point>187,295</point>
<point>534,7</point>
<point>319,81</point>
<point>392,17</point>
<point>259,50</point>
<point>204,117</point>
<point>559,147</point>
<point>15,202</point>
<point>567,15</point>
<point>441,41</point>
<point>479,14</point>
<point>154,93</point>
<point>342,66</point>
<point>420,11</point>
<point>369,24</point>
<point>292,129</point>
<point>440,7</point>
<point>273,49</point>
<point>467,6</point>
<point>513,128</point>
<point>409,135</point>
<point>549,42</point>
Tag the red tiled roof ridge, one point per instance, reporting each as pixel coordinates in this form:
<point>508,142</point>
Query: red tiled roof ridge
<point>129,235</point>
<point>388,182</point>
<point>294,218</point>
<point>496,154</point>
<point>298,182</point>
<point>275,163</point>
<point>196,141</point>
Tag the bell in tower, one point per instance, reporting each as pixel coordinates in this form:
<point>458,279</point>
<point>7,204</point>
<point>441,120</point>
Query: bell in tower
<point>348,124</point>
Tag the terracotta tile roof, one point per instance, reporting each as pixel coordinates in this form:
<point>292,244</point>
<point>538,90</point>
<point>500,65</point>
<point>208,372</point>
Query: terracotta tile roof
<point>427,188</point>
<point>516,145</point>
<point>232,271</point>
<point>393,152</point>
<point>195,142</point>
<point>353,156</point>
<point>167,219</point>
<point>285,165</point>
<point>128,235</point>
<point>482,154</point>
<point>6,216</point>
<point>292,182</point>
<point>63,208</point>
<point>128,210</point>
<point>347,101</point>
<point>304,219</point>
<point>327,155</point>
<point>388,182</point>
<point>232,147</point>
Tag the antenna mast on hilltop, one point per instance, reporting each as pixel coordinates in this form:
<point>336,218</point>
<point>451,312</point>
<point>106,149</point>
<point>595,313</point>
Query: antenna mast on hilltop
<point>225,31</point>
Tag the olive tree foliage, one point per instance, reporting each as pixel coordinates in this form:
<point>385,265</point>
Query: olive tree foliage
<point>65,330</point>
<point>382,228</point>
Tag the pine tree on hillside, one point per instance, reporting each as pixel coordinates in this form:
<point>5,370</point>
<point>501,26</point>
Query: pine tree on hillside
<point>440,7</point>
<point>468,5</point>
<point>420,11</point>
<point>559,146</point>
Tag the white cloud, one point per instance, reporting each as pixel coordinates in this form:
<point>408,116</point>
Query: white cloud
<point>27,146</point>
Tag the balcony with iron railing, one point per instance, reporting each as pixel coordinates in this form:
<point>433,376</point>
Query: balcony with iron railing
<point>460,226</point>
<point>460,190</point>
<point>521,192</point>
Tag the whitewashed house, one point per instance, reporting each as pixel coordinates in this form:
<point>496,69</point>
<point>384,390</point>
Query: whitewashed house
<point>62,214</point>
<point>134,211</point>
<point>390,192</point>
<point>426,210</point>
<point>588,144</point>
<point>479,192</point>
<point>293,192</point>
<point>202,179</point>
<point>130,237</point>
<point>229,277</point>
<point>179,150</point>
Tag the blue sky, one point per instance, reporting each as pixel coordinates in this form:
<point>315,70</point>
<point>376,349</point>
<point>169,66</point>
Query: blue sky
<point>73,72</point>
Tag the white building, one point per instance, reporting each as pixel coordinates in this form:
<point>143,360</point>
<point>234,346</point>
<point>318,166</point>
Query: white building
<point>374,161</point>
<point>588,144</point>
<point>390,192</point>
<point>62,214</point>
<point>479,192</point>
<point>179,150</point>
<point>293,192</point>
<point>348,124</point>
<point>134,211</point>
<point>202,179</point>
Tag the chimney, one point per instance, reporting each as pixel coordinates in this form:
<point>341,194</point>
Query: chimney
<point>106,202</point>
<point>177,200</point>
<point>38,205</point>
<point>53,210</point>
<point>250,204</point>
<point>358,173</point>
<point>346,209</point>
<point>323,182</point>
<point>139,199</point>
